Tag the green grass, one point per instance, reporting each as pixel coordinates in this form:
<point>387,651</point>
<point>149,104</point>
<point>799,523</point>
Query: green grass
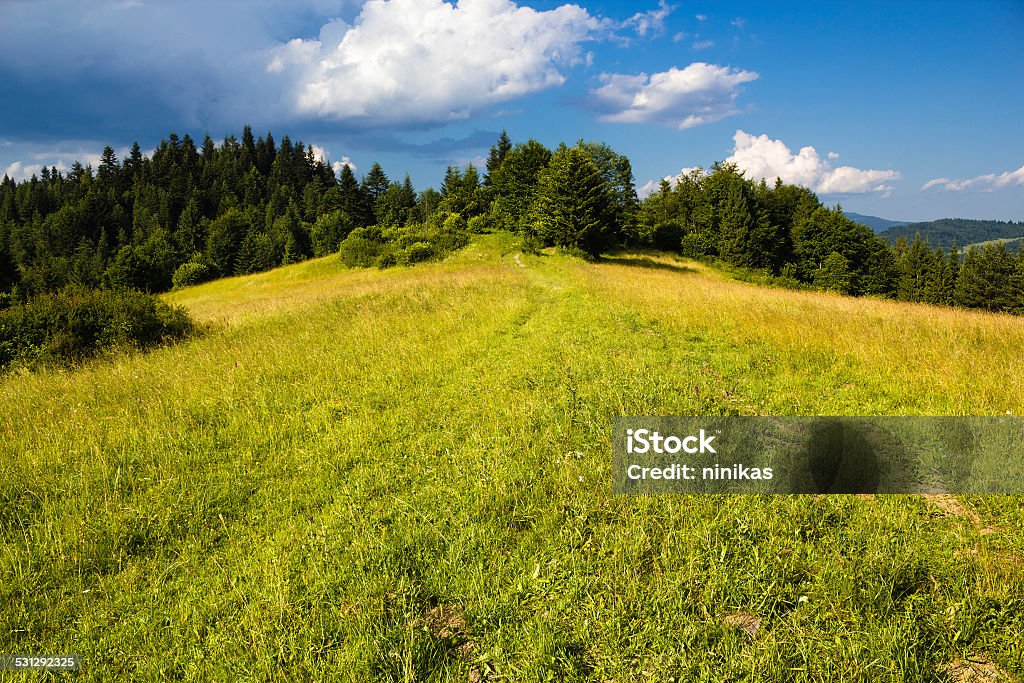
<point>1010,242</point>
<point>405,475</point>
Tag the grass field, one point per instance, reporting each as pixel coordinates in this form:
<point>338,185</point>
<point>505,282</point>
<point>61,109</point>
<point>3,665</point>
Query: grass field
<point>405,475</point>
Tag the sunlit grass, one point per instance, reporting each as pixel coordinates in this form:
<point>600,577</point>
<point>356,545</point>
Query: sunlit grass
<point>347,459</point>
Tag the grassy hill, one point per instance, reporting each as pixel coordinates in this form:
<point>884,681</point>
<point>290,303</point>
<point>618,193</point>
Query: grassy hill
<point>1014,244</point>
<point>404,475</point>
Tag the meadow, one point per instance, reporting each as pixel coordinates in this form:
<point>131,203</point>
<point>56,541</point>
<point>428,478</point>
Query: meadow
<point>404,475</point>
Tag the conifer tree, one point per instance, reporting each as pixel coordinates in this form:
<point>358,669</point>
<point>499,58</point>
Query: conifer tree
<point>499,150</point>
<point>834,274</point>
<point>571,205</point>
<point>736,224</point>
<point>516,180</point>
<point>971,288</point>
<point>375,182</point>
<point>354,200</point>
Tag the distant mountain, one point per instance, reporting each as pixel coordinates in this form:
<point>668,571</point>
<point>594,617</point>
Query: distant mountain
<point>874,222</point>
<point>946,232</point>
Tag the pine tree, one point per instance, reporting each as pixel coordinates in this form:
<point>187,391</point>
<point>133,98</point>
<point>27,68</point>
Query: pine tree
<point>736,224</point>
<point>499,151</point>
<point>1015,286</point>
<point>572,202</point>
<point>917,267</point>
<point>109,170</point>
<point>188,238</point>
<point>971,288</point>
<point>515,183</point>
<point>354,199</point>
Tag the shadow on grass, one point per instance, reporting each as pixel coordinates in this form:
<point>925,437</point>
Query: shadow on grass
<point>646,262</point>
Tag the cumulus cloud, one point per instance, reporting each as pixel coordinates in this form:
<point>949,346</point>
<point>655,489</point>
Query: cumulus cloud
<point>16,171</point>
<point>700,93</point>
<point>762,157</point>
<point>982,183</point>
<point>320,154</point>
<point>651,186</point>
<point>652,21</point>
<point>703,44</point>
<point>429,61</point>
<point>345,161</point>
<point>62,160</point>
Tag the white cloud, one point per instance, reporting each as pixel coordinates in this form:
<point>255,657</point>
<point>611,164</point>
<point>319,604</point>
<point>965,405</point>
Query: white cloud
<point>320,154</point>
<point>703,44</point>
<point>652,21</point>
<point>739,22</point>
<point>345,161</point>
<point>651,186</point>
<point>701,17</point>
<point>431,61</point>
<point>17,171</point>
<point>680,37</point>
<point>700,93</point>
<point>762,157</point>
<point>982,183</point>
<point>833,156</point>
<point>61,159</point>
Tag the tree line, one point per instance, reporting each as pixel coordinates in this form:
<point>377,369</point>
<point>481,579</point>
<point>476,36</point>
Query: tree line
<point>948,232</point>
<point>186,214</point>
<point>786,233</point>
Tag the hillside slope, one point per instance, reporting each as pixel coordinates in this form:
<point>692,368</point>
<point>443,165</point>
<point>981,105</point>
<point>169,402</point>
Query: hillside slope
<point>404,475</point>
<point>959,231</point>
<point>874,222</point>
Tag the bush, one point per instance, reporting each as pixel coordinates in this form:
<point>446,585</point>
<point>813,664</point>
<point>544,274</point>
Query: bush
<point>75,324</point>
<point>532,244</point>
<point>667,236</point>
<point>481,224</point>
<point>404,245</point>
<point>328,232</point>
<point>696,244</point>
<point>361,248</point>
<point>192,273</point>
<point>415,253</point>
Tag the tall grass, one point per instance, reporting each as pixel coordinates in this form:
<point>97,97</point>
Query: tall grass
<point>404,475</point>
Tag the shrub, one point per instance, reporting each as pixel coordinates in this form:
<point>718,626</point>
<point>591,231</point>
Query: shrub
<point>192,273</point>
<point>74,324</point>
<point>532,244</point>
<point>667,236</point>
<point>696,244</point>
<point>361,248</point>
<point>415,253</point>
<point>328,231</point>
<point>387,259</point>
<point>481,224</point>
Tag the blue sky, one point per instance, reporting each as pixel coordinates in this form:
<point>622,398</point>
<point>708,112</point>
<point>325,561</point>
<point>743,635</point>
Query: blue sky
<point>907,110</point>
